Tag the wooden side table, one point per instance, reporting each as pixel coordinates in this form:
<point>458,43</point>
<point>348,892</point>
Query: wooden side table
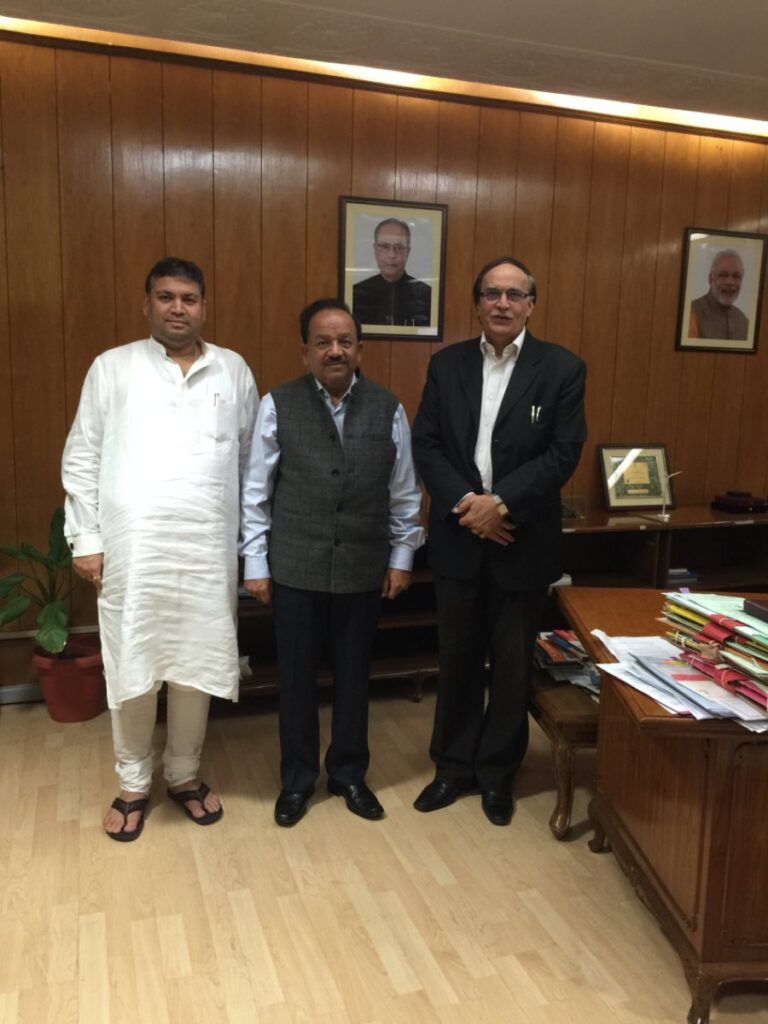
<point>569,719</point>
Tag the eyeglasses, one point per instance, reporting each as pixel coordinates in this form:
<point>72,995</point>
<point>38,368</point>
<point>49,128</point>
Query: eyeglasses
<point>396,247</point>
<point>513,294</point>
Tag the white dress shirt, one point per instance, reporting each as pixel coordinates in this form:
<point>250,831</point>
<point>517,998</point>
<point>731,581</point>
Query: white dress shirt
<point>497,371</point>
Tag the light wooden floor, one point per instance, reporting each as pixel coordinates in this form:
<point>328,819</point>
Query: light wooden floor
<point>412,920</point>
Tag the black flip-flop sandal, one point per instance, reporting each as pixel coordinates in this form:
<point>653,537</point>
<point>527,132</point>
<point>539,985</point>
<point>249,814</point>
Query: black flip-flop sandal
<point>127,807</point>
<point>196,794</point>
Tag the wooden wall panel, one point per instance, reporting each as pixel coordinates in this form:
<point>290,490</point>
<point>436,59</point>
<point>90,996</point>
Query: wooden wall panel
<point>570,216</point>
<point>752,456</point>
<point>109,162</point>
<point>374,164</point>
<point>236,271</point>
<point>329,176</point>
<point>7,461</point>
<point>415,181</point>
<point>457,187</point>
<point>284,227</point>
<point>33,236</point>
<point>743,197</point>
<point>638,266</point>
<point>535,202</point>
<point>137,187</point>
<point>188,168</point>
<point>87,239</point>
<point>726,468</point>
<point>605,234</point>
<point>663,395</point>
<point>495,183</point>
<point>695,429</point>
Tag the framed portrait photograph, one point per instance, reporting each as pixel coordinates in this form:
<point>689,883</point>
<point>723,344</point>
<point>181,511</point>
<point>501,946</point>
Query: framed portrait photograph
<point>721,290</point>
<point>392,267</point>
<point>635,477</point>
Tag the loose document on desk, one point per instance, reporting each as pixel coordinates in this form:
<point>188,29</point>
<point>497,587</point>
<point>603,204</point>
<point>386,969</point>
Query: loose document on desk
<point>652,665</point>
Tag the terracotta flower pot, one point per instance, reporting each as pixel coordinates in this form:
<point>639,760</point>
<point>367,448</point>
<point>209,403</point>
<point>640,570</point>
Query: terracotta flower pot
<point>73,683</point>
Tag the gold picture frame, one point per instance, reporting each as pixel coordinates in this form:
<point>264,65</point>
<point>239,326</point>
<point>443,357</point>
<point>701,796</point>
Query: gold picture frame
<point>393,300</point>
<point>635,477</point>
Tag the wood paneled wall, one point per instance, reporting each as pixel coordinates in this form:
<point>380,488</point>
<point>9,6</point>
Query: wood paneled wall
<point>109,162</point>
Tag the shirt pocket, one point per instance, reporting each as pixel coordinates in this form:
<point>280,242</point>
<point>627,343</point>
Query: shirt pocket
<point>212,421</point>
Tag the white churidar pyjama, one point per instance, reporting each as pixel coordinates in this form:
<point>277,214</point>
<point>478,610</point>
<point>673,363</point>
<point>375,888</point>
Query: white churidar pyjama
<point>133,727</point>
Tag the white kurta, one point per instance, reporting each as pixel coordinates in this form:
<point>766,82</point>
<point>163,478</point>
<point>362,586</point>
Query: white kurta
<point>152,469</point>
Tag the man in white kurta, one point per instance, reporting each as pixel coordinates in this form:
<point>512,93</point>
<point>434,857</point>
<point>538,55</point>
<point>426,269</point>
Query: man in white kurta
<point>152,470</point>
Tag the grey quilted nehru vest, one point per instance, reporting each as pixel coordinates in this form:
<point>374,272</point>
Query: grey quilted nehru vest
<point>330,507</point>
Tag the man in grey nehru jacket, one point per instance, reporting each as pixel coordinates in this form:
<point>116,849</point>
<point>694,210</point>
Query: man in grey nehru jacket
<point>330,524</point>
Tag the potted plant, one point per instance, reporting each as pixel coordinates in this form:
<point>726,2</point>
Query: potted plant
<point>69,668</point>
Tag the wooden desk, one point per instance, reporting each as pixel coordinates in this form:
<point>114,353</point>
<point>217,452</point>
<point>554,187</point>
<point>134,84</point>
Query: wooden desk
<point>684,805</point>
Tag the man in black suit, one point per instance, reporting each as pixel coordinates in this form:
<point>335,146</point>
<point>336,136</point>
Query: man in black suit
<point>392,296</point>
<point>499,431</point>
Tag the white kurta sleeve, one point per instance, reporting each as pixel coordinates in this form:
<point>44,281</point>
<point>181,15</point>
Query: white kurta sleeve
<point>81,465</point>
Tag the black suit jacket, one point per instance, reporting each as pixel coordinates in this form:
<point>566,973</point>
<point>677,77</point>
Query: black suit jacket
<point>405,302</point>
<point>537,441</point>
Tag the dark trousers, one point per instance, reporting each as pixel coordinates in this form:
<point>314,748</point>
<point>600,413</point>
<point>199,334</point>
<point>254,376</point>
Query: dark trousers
<point>473,740</point>
<point>307,622</point>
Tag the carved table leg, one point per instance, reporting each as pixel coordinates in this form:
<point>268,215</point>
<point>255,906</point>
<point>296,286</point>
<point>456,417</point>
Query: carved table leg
<point>598,843</point>
<point>417,691</point>
<point>703,987</point>
<point>560,822</point>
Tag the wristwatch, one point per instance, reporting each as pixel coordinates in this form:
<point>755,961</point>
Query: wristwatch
<point>501,508</point>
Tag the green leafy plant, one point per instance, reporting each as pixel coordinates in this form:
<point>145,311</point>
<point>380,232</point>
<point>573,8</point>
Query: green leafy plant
<point>45,583</point>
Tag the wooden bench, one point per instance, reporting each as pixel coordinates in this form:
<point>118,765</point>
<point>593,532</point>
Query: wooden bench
<point>568,717</point>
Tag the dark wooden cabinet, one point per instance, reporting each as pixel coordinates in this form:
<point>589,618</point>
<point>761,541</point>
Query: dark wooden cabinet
<point>612,551</point>
<point>725,552</point>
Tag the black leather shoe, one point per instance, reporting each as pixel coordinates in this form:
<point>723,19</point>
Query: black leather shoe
<point>497,806</point>
<point>439,793</point>
<point>360,800</point>
<point>291,807</point>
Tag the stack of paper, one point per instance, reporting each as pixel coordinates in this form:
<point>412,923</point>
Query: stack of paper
<point>722,641</point>
<point>562,656</point>
<point>658,668</point>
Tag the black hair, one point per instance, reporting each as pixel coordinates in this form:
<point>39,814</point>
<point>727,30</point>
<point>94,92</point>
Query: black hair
<point>497,263</point>
<point>318,306</point>
<point>172,266</point>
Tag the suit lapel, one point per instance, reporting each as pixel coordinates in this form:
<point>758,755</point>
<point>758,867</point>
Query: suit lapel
<point>525,372</point>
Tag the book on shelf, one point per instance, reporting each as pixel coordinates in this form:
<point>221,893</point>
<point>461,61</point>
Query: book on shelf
<point>681,575</point>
